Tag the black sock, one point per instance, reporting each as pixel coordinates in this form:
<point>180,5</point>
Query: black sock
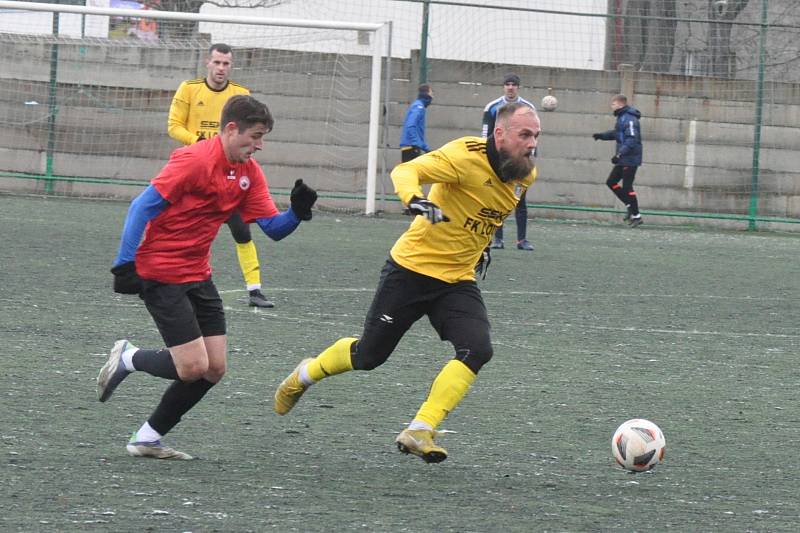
<point>177,400</point>
<point>634,205</point>
<point>157,363</point>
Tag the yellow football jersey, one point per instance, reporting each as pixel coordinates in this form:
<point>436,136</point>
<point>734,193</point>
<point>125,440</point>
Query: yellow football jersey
<point>469,192</point>
<point>196,110</point>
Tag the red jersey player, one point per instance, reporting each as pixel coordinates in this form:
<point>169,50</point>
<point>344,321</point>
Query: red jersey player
<point>179,214</point>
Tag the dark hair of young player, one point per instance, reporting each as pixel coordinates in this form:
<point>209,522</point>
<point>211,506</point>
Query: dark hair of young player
<point>245,111</point>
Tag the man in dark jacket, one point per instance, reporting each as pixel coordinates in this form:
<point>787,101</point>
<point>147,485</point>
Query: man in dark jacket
<point>628,156</point>
<point>412,138</point>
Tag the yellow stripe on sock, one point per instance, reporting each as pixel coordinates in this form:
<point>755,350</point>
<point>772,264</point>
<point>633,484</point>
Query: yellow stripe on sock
<point>333,360</point>
<point>248,261</point>
<point>447,391</point>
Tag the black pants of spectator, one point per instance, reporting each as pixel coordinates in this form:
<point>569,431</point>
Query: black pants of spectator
<point>624,192</point>
<point>521,216</point>
<point>407,153</point>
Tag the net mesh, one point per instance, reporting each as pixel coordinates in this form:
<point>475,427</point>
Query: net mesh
<point>94,108</point>
<point>717,139</point>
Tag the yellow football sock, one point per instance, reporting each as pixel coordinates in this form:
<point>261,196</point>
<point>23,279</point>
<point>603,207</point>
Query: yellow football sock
<point>248,261</point>
<point>447,391</point>
<point>333,360</point>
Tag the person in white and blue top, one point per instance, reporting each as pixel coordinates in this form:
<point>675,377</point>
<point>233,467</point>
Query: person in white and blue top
<point>510,94</point>
<point>412,138</point>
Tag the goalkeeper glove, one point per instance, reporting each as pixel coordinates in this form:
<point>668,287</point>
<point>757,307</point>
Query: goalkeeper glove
<point>615,159</point>
<point>483,263</point>
<point>425,208</point>
<point>596,136</point>
<point>126,280</point>
<point>302,199</point>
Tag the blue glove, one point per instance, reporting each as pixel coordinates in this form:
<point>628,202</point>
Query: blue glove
<point>615,159</point>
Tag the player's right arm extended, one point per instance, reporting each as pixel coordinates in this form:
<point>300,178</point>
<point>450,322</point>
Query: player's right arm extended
<point>179,118</point>
<point>143,209</point>
<point>408,178</point>
<point>433,167</point>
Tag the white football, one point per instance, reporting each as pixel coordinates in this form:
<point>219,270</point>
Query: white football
<point>638,445</point>
<point>549,103</point>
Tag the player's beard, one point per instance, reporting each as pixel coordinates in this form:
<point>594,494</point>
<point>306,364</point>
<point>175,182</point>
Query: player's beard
<point>514,168</point>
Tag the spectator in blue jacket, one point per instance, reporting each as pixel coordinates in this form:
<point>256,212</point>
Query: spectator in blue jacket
<point>627,157</point>
<point>412,139</point>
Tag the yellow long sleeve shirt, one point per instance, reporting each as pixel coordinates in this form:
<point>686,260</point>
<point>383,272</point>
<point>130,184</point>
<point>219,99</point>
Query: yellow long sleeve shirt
<point>196,110</point>
<point>466,186</point>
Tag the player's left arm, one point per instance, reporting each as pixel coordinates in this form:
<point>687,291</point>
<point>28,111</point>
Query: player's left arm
<point>261,209</point>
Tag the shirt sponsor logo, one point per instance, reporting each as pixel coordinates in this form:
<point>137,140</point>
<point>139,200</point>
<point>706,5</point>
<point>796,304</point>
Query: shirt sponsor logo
<point>485,222</point>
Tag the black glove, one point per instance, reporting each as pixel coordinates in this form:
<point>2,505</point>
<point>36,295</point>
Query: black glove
<point>302,199</point>
<point>596,136</point>
<point>126,280</point>
<point>425,208</point>
<point>483,263</point>
<point>615,159</point>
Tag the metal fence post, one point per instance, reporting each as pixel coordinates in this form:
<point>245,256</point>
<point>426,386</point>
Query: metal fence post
<point>423,46</point>
<point>753,211</point>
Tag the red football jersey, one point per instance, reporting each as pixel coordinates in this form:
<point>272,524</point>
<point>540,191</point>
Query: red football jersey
<point>203,189</point>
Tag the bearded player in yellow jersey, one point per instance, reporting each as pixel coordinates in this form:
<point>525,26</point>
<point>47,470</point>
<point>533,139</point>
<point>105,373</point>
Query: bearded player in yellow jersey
<point>194,116</point>
<point>476,183</point>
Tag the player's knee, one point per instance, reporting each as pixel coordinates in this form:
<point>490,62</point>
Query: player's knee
<point>192,370</point>
<point>475,356</point>
<point>215,372</point>
<point>366,356</point>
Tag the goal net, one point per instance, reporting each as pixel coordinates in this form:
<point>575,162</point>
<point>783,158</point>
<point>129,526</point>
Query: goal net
<point>85,110</point>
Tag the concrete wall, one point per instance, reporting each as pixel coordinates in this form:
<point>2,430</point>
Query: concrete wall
<point>118,96</point>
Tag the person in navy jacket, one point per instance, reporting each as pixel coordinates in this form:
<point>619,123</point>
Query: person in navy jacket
<point>627,157</point>
<point>412,138</point>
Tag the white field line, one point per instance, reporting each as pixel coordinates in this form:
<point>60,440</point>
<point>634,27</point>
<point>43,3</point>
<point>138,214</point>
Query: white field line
<point>630,329</point>
<point>536,293</point>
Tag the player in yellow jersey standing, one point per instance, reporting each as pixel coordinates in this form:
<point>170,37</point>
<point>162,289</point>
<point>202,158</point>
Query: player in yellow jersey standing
<point>193,116</point>
<point>476,184</point>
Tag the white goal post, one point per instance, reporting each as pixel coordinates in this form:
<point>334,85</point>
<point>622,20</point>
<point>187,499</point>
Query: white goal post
<point>378,42</point>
